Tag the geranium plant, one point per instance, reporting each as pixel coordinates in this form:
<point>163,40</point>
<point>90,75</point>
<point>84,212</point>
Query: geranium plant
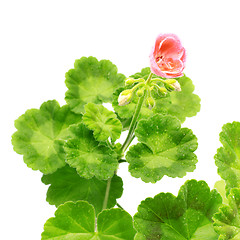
<point>75,147</point>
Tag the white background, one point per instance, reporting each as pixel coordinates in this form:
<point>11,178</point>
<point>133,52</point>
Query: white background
<point>40,41</point>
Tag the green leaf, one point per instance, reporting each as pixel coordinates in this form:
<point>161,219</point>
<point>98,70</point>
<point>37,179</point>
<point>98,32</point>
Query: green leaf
<point>180,104</point>
<point>67,185</point>
<point>139,236</point>
<point>187,216</point>
<point>103,122</point>
<point>221,188</point>
<point>91,81</point>
<point>226,221</point>
<point>227,158</point>
<point>76,221</point>
<point>88,156</point>
<point>125,123</point>
<point>165,149</point>
<point>40,136</point>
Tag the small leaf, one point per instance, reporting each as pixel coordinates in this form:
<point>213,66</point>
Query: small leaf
<point>88,156</point>
<point>179,104</point>
<point>75,221</point>
<point>164,149</point>
<point>227,158</point>
<point>187,216</point>
<point>67,185</point>
<point>40,136</point>
<point>103,122</point>
<point>226,221</point>
<point>221,188</point>
<point>91,81</point>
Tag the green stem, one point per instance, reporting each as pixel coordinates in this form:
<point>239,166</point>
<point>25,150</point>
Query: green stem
<point>105,202</point>
<point>119,206</point>
<point>135,118</point>
<point>133,123</point>
<point>109,144</point>
<point>129,138</point>
<point>149,78</point>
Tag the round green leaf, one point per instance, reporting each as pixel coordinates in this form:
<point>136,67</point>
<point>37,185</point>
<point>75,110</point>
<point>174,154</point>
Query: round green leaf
<point>91,81</point>
<point>67,185</point>
<point>227,158</point>
<point>88,156</point>
<point>76,221</point>
<point>179,104</point>
<point>226,220</point>
<point>103,122</point>
<point>187,216</point>
<point>164,149</point>
<point>40,136</point>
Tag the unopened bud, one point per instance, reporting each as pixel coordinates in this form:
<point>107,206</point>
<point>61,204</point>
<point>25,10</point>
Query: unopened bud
<point>150,103</point>
<point>140,92</point>
<point>163,90</point>
<point>176,86</point>
<point>129,81</point>
<point>170,81</point>
<point>125,97</point>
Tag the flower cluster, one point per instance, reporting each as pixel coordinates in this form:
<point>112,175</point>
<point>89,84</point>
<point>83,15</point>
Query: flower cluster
<point>167,60</point>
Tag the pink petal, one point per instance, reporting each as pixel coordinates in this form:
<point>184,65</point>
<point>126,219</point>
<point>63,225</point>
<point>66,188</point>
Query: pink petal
<point>167,58</point>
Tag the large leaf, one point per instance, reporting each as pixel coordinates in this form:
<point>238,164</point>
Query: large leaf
<point>88,156</point>
<point>164,149</point>
<point>76,221</point>
<point>227,220</point>
<point>139,236</point>
<point>67,185</point>
<point>227,158</point>
<point>103,122</point>
<point>187,216</point>
<point>180,104</point>
<point>40,136</point>
<point>91,81</point>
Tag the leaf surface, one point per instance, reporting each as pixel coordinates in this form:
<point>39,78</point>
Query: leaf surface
<point>221,188</point>
<point>41,134</point>
<point>226,220</point>
<point>187,216</point>
<point>91,81</point>
<point>103,122</point>
<point>227,158</point>
<point>67,185</point>
<point>76,221</point>
<point>164,149</point>
<point>88,156</point>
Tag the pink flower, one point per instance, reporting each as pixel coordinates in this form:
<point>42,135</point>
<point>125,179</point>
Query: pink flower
<point>167,58</point>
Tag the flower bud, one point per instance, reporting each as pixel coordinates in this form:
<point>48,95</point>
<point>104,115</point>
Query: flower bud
<point>140,92</point>
<point>176,86</point>
<point>125,97</point>
<point>129,81</point>
<point>150,103</point>
<point>163,90</point>
<point>170,81</point>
